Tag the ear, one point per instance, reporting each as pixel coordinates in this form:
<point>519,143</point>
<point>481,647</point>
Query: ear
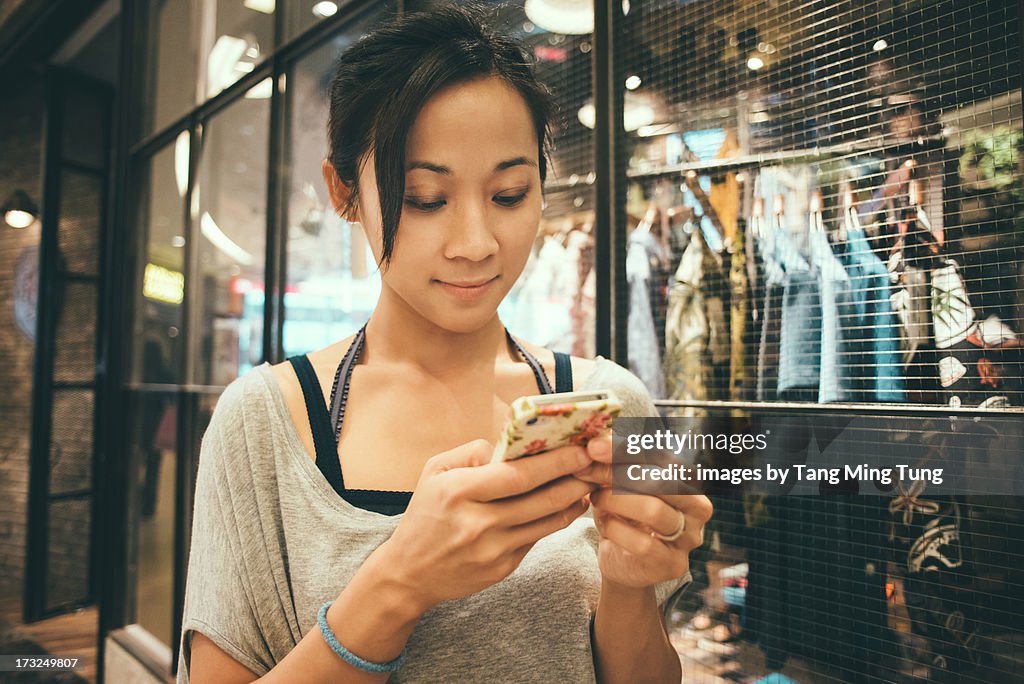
<point>338,191</point>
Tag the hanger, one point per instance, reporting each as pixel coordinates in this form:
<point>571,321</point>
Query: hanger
<point>778,211</point>
<point>817,223</point>
<point>705,204</point>
<point>851,221</point>
<point>757,228</point>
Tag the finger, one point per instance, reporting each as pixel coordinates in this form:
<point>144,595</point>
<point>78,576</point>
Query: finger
<point>510,478</point>
<point>542,501</point>
<point>651,511</point>
<point>600,447</point>
<point>636,541</point>
<point>696,507</point>
<point>538,529</point>
<point>619,475</point>
<point>692,536</point>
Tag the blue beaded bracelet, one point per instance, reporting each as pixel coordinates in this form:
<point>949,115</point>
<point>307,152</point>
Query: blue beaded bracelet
<point>347,655</point>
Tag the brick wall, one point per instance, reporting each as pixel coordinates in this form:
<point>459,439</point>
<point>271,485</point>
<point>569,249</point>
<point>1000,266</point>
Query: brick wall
<point>21,120</point>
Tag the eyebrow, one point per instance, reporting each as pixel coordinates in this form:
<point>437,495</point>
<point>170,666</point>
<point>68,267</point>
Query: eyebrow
<point>444,170</point>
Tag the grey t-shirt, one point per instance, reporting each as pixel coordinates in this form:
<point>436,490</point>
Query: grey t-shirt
<point>272,542</point>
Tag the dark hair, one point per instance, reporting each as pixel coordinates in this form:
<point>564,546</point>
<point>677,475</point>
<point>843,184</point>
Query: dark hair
<point>384,79</point>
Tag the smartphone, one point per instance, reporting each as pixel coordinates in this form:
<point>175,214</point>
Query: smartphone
<point>548,421</point>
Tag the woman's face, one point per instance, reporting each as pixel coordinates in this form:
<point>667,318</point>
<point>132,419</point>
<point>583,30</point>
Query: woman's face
<point>471,208</point>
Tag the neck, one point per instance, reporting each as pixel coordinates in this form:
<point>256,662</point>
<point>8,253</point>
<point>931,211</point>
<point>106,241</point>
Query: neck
<point>399,335</point>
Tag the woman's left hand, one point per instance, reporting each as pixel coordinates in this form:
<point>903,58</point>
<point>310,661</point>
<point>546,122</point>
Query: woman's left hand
<point>630,553</point>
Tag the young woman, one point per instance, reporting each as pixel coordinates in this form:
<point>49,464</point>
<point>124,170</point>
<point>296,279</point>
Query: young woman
<point>348,525</point>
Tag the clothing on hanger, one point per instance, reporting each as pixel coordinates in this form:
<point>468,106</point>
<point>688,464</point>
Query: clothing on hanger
<point>642,340</point>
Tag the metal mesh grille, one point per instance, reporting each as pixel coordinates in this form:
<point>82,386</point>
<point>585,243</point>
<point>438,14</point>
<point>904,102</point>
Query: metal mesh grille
<point>75,353</point>
<point>67,576</point>
<point>825,207</point>
<point>79,231</point>
<point>553,304</point>
<point>71,441</point>
<point>873,145</point>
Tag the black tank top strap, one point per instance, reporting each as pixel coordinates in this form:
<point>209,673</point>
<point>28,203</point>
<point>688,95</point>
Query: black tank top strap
<point>563,372</point>
<point>543,384</point>
<point>319,421</point>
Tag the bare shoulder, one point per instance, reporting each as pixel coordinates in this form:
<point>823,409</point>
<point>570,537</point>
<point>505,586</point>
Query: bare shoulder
<point>324,362</point>
<point>327,358</point>
<point>582,368</point>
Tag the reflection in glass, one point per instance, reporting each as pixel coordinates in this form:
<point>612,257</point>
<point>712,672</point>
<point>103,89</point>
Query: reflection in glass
<point>333,282</point>
<point>160,218</point>
<point>302,14</point>
<point>236,37</point>
<point>226,328</point>
<point>155,456</point>
<point>172,63</point>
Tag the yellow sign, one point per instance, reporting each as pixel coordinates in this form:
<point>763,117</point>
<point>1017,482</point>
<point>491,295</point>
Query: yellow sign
<point>163,285</point>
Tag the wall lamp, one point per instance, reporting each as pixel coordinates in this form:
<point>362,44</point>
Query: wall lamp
<point>19,210</point>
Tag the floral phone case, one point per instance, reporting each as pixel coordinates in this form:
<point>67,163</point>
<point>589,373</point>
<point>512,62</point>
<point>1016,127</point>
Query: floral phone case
<point>549,421</point>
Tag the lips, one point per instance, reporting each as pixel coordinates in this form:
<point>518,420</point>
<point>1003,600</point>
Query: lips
<point>467,289</point>
<point>467,283</point>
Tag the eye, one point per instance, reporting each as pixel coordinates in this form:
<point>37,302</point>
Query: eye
<point>421,205</point>
<point>511,200</point>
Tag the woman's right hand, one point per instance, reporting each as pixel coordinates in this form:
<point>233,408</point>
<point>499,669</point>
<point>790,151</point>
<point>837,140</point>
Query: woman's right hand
<point>471,522</point>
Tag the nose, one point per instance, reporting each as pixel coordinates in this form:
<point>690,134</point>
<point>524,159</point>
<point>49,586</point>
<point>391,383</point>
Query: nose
<point>469,233</point>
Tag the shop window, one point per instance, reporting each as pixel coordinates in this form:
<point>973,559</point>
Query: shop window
<point>197,48</point>
<point>229,227</point>
<point>825,205</point>
<point>155,455</point>
<point>302,14</point>
<point>162,181</point>
<point>332,280</point>
<point>819,211</point>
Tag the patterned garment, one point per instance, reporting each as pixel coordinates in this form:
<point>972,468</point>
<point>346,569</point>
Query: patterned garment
<point>696,338</point>
<point>739,302</point>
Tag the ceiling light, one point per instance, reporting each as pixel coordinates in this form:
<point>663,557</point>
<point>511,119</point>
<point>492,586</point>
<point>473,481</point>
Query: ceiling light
<point>181,146</point>
<point>638,111</point>
<point>880,45</point>
<point>569,17</point>
<point>261,91</point>
<point>226,245</point>
<point>220,66</point>
<point>755,63</point>
<point>633,82</point>
<point>265,6</point>
<point>19,210</point>
<point>325,9</point>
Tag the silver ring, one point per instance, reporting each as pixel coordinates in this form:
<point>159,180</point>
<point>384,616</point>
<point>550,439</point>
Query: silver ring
<point>679,531</point>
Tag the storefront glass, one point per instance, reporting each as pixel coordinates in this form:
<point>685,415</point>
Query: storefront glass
<point>154,443</point>
<point>824,207</point>
<point>234,37</point>
<point>332,280</point>
<point>230,222</point>
<point>160,220</point>
<point>168,86</point>
<point>302,14</point>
